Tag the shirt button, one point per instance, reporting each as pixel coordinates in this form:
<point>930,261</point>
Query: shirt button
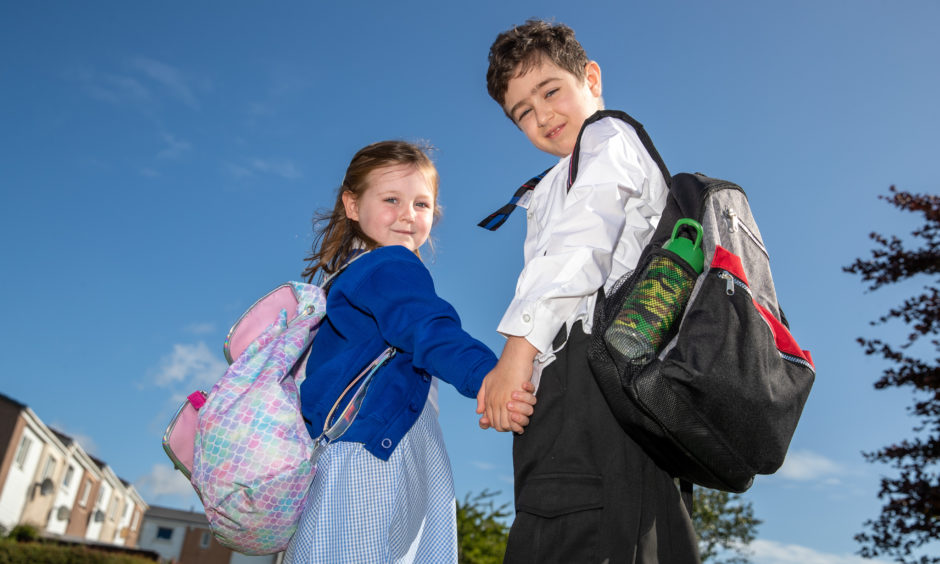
<point>426,377</point>
<point>386,443</point>
<point>526,317</point>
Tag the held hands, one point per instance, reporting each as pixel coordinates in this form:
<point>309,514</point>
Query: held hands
<point>505,399</point>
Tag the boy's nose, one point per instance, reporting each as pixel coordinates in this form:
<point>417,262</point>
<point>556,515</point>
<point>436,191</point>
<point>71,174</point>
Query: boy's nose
<point>542,115</point>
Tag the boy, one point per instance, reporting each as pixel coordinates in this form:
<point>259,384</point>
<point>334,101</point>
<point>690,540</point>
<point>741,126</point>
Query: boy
<point>584,491</point>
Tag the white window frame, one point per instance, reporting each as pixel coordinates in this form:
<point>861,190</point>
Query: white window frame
<point>85,493</point>
<point>22,452</point>
<point>69,474</point>
<point>49,469</point>
<point>160,529</point>
<point>205,540</point>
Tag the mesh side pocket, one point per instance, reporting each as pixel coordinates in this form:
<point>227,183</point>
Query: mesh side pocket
<point>643,314</point>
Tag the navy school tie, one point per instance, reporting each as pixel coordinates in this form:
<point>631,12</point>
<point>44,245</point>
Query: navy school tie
<point>498,217</point>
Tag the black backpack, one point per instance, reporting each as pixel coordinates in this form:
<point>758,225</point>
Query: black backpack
<point>718,399</point>
<point>721,397</point>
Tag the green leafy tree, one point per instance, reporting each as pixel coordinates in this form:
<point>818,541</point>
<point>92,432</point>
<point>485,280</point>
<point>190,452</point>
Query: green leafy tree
<point>481,529</point>
<point>725,525</point>
<point>910,517</point>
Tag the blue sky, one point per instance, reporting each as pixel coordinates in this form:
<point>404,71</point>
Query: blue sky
<point>160,164</point>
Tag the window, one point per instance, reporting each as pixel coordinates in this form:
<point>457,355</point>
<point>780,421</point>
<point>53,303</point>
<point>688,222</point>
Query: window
<point>100,496</point>
<point>23,451</point>
<point>48,469</point>
<point>164,533</point>
<point>134,520</point>
<point>69,474</point>
<point>115,503</point>
<point>85,493</point>
<point>205,539</point>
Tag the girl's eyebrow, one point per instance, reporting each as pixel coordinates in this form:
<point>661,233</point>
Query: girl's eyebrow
<point>535,89</point>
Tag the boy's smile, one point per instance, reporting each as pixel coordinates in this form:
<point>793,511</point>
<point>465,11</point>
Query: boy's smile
<point>549,104</point>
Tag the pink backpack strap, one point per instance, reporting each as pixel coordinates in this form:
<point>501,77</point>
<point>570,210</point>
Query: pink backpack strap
<point>197,399</point>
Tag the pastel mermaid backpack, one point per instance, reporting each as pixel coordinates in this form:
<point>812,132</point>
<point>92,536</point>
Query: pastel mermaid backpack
<point>244,445</point>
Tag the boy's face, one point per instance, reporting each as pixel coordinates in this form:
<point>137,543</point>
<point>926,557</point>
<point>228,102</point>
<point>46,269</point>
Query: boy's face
<point>549,104</point>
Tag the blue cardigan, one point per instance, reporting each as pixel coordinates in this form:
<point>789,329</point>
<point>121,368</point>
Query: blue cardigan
<point>387,298</point>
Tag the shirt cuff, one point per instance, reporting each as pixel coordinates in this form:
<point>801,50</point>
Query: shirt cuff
<point>532,320</point>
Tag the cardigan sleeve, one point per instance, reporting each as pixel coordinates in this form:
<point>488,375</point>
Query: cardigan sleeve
<point>399,294</point>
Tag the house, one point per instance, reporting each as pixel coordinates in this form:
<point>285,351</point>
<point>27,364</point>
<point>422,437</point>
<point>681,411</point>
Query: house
<point>184,537</point>
<point>47,480</point>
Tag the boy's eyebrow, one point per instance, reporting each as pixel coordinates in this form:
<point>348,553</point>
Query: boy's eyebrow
<point>536,88</point>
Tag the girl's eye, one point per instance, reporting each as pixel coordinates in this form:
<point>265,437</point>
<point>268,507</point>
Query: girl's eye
<point>423,204</point>
<point>551,92</point>
<point>391,200</point>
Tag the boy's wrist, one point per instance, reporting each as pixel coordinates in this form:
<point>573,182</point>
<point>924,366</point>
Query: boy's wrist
<point>518,352</point>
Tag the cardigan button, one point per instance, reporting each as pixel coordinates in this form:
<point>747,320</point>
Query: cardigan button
<point>413,406</point>
<point>386,443</point>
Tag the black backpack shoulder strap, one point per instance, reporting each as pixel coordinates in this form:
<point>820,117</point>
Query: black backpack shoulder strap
<point>640,132</point>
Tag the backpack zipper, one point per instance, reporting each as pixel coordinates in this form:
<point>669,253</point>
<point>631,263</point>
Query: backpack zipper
<point>734,223</point>
<point>731,281</point>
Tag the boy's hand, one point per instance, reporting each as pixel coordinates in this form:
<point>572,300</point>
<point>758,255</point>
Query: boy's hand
<point>511,374</point>
<point>520,409</point>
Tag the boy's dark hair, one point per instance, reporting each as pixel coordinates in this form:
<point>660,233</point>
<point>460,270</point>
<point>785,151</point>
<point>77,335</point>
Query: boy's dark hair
<point>517,50</point>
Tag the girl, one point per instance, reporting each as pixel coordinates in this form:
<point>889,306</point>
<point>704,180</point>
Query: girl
<point>384,491</point>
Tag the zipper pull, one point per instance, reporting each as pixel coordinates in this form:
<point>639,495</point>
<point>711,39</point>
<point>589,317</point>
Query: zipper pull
<point>729,281</point>
<point>732,219</point>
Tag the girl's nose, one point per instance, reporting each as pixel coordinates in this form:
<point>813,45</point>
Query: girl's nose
<point>408,214</point>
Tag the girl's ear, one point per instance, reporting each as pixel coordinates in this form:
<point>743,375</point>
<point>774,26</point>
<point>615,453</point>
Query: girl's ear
<point>351,205</point>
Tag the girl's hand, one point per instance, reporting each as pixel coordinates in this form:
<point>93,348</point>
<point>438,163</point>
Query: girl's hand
<point>520,410</point>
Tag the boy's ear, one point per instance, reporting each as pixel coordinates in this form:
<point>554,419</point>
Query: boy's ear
<point>592,77</point>
<point>351,205</point>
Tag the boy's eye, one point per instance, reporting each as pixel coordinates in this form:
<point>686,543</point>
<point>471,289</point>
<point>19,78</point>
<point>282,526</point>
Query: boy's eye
<point>551,92</point>
<point>523,114</point>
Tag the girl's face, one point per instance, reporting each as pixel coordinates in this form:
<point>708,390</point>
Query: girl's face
<point>397,207</point>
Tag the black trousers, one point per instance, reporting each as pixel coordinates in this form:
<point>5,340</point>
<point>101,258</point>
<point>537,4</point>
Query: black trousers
<point>584,491</point>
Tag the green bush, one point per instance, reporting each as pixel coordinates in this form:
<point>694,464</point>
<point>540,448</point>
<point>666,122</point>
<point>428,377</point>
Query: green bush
<point>24,533</point>
<point>32,552</point>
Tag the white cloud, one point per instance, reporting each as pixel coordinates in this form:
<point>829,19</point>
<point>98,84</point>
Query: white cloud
<point>804,465</point>
<point>285,168</point>
<point>200,328</point>
<point>164,480</point>
<point>772,552</point>
<point>280,167</point>
<point>189,367</point>
<point>85,441</point>
<point>169,77</point>
<point>484,465</point>
<point>174,147</point>
<point>111,88</point>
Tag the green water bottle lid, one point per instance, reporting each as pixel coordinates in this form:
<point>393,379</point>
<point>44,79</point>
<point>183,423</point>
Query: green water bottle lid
<point>689,250</point>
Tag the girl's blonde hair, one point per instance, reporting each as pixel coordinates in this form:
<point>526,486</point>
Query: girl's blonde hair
<point>335,235</point>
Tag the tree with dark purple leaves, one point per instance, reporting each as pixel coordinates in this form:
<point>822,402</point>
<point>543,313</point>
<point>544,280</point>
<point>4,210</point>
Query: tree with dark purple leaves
<point>909,524</point>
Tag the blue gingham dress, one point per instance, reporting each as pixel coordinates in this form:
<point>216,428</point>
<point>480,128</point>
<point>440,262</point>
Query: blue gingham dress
<point>365,510</point>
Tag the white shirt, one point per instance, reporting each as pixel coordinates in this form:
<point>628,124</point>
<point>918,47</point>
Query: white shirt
<point>585,238</point>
